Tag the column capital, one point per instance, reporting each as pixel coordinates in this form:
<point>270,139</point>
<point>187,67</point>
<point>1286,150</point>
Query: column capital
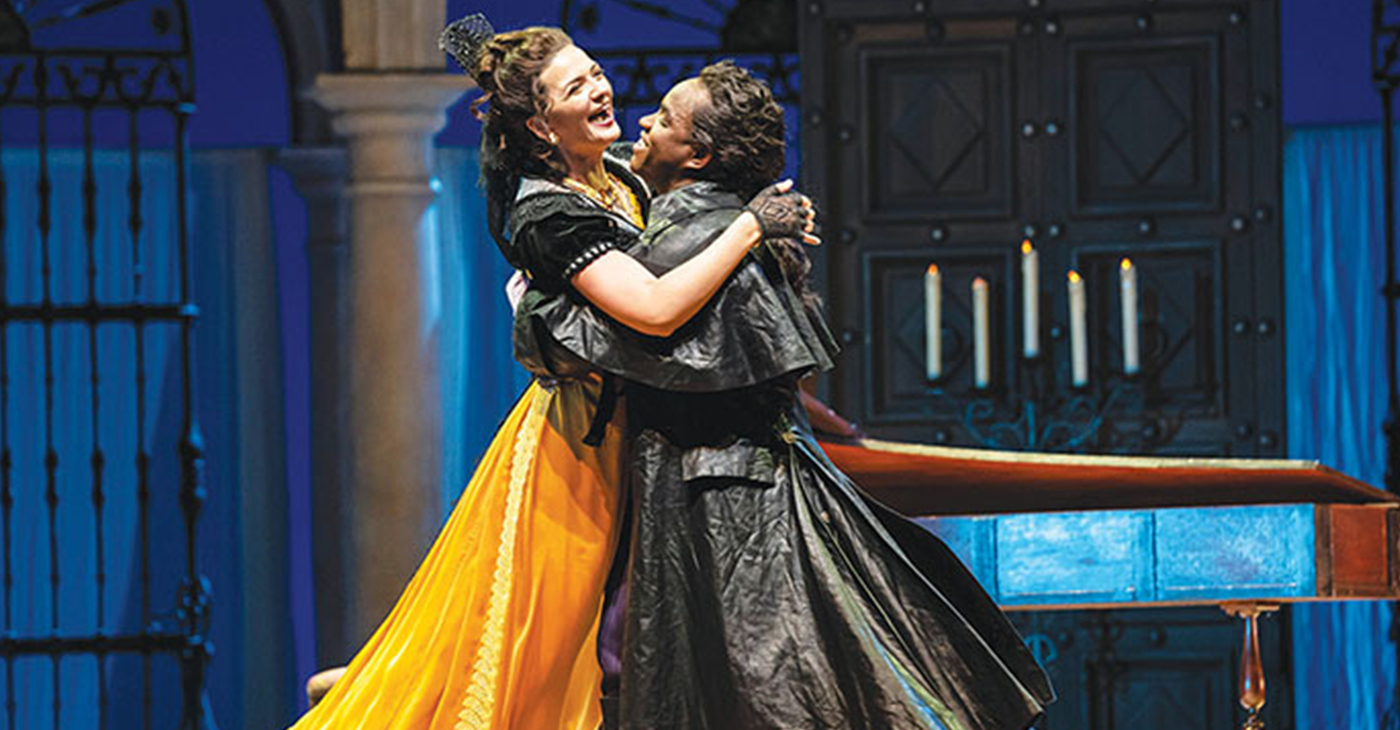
<point>373,103</point>
<point>389,120</point>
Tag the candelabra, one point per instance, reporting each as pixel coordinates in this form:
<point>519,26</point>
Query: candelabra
<point>1045,418</point>
<point>1050,402</point>
<point>1046,415</point>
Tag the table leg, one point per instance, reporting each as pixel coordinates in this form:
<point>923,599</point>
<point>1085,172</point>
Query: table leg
<point>1251,665</point>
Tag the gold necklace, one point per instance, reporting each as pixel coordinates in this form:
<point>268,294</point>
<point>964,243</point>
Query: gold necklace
<point>606,198</point>
<point>624,203</point>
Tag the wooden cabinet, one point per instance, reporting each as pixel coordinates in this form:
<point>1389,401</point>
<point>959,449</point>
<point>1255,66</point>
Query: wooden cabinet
<point>948,132</point>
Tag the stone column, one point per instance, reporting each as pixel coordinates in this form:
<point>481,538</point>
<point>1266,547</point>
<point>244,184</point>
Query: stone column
<point>319,174</point>
<point>394,411</point>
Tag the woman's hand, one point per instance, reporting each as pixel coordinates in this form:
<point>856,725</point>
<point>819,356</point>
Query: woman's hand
<point>516,287</point>
<point>782,212</point>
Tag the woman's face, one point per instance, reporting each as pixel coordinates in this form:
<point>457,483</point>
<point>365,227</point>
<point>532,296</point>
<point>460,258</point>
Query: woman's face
<point>578,105</point>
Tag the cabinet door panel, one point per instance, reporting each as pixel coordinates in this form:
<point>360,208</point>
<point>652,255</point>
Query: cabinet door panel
<point>946,135</point>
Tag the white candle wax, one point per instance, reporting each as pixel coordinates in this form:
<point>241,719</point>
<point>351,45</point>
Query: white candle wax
<point>981,334</point>
<point>933,322</point>
<point>1078,332</point>
<point>1127,284</point>
<point>1030,300</point>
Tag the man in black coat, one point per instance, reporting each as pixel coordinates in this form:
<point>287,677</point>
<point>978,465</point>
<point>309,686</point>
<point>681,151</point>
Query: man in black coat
<point>764,589</point>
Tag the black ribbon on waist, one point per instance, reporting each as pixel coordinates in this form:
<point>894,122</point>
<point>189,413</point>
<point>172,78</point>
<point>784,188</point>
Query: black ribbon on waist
<point>607,404</point>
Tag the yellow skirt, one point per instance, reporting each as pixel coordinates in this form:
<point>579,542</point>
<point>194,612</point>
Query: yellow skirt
<point>497,628</point>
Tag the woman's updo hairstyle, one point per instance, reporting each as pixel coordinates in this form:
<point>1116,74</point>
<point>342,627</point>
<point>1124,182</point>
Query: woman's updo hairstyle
<point>507,67</point>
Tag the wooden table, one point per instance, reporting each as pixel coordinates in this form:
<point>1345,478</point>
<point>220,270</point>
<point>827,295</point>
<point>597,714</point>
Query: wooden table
<point>1052,531</point>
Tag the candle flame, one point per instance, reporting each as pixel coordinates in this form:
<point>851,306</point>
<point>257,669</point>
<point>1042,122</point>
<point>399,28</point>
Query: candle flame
<point>933,269</point>
<point>1026,246</point>
<point>1073,275</point>
<point>1126,264</point>
<point>979,281</point>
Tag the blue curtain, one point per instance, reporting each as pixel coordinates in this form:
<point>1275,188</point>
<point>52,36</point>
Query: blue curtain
<point>481,379</point>
<point>253,680</point>
<point>238,398</point>
<point>71,431</point>
<point>1344,665</point>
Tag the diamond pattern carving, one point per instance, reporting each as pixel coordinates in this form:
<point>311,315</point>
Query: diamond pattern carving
<point>1148,128</point>
<point>936,142</point>
<point>898,329</point>
<point>910,334</point>
<point>948,140</point>
<point>1144,120</point>
<point>909,337</point>
<point>960,132</point>
<point>1177,314</point>
<point>1152,697</point>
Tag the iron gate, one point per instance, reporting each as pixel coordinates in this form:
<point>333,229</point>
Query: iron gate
<point>103,611</point>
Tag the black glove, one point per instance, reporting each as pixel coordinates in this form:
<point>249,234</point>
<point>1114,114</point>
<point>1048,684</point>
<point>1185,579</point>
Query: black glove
<point>779,214</point>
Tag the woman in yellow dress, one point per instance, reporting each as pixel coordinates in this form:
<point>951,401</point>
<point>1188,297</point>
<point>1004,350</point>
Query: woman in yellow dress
<point>498,627</point>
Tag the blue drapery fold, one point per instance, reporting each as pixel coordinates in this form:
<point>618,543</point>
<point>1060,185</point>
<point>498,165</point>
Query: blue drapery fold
<point>81,610</point>
<point>481,379</point>
<point>238,400</point>
<point>1344,664</point>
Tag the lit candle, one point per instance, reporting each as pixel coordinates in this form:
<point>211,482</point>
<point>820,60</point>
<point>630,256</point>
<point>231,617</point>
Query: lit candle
<point>1127,285</point>
<point>933,322</point>
<point>1078,331</point>
<point>1030,299</point>
<point>981,334</point>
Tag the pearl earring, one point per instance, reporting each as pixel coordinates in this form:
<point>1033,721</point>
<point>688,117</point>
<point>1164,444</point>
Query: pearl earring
<point>553,138</point>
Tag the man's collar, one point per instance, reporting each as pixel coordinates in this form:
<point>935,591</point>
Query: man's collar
<point>685,183</point>
<point>688,201</point>
<point>696,195</point>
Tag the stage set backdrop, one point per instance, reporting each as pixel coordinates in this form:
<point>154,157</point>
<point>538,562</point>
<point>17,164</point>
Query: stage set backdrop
<point>176,357</point>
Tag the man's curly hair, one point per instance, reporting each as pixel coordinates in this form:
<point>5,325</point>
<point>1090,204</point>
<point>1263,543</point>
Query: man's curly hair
<point>742,128</point>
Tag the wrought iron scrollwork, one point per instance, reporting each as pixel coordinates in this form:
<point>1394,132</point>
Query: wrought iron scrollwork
<point>58,58</point>
<point>1046,415</point>
<point>82,79</point>
<point>757,34</point>
<point>642,76</point>
<point>1073,422</point>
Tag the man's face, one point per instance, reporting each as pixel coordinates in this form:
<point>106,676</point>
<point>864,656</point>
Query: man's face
<point>665,154</point>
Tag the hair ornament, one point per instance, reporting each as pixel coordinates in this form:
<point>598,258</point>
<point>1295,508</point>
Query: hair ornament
<point>465,39</point>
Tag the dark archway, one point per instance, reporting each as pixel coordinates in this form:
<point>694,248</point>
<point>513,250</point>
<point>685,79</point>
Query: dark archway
<point>310,35</point>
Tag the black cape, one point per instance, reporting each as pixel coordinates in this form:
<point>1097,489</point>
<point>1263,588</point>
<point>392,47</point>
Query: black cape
<point>766,589</point>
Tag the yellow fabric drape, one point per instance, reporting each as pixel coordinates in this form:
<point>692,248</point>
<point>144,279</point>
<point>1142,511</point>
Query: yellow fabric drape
<point>497,628</point>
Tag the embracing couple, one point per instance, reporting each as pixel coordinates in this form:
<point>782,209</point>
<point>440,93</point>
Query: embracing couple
<point>654,529</point>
